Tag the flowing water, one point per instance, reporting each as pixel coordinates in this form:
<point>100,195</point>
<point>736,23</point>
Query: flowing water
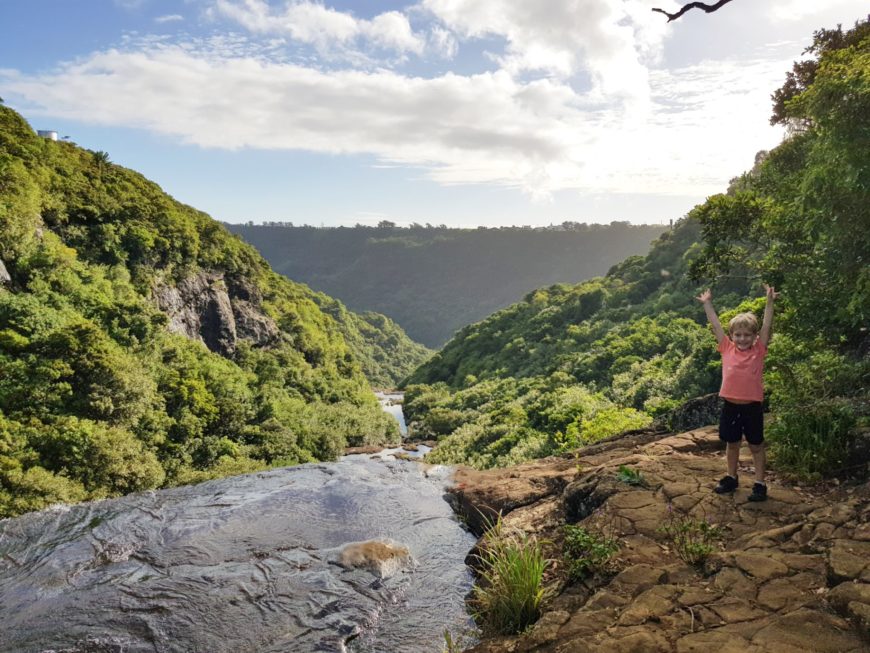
<point>392,403</point>
<point>248,563</point>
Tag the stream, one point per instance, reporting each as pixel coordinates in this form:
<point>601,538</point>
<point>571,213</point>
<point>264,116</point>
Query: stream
<point>248,563</point>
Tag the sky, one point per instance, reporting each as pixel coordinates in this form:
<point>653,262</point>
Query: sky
<point>456,112</point>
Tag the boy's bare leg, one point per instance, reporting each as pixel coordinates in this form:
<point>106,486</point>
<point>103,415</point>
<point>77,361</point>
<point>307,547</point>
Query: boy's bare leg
<point>732,456</point>
<point>759,458</point>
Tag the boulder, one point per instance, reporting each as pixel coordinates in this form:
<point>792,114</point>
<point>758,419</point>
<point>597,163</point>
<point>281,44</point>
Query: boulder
<point>695,413</point>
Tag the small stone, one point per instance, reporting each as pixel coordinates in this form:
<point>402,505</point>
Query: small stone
<point>732,610</point>
<point>546,629</point>
<point>759,566</point>
<point>639,578</point>
<point>578,645</point>
<point>653,603</point>
<point>800,562</point>
<point>586,623</point>
<point>860,612</point>
<point>698,596</point>
<point>847,559</point>
<point>732,582</point>
<point>809,630</point>
<point>605,599</point>
<point>680,573</point>
<point>846,593</point>
<point>714,640</point>
<point>636,642</point>
<point>781,593</point>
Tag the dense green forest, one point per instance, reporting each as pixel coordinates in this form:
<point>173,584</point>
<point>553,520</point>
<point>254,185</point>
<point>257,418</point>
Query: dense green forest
<point>143,345</point>
<point>435,280</point>
<point>571,364</point>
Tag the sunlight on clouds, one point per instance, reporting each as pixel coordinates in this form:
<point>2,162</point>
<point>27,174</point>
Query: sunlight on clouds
<point>612,41</point>
<point>794,10</point>
<point>540,135</point>
<point>321,26</point>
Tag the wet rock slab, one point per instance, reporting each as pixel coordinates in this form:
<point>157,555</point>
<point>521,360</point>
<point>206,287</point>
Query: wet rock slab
<point>364,554</point>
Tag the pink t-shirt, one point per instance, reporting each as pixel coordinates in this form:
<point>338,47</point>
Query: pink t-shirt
<point>741,371</point>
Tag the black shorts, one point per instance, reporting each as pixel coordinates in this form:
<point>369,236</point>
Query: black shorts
<point>738,420</point>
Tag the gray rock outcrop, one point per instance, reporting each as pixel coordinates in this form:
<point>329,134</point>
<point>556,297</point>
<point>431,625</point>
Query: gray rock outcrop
<point>694,414</point>
<point>4,274</point>
<point>209,308</point>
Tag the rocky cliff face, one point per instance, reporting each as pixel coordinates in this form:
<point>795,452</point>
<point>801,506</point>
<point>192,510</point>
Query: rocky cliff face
<point>4,274</point>
<point>216,311</point>
<point>791,575</point>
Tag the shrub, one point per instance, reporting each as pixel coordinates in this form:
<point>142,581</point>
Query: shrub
<point>508,595</point>
<point>586,551</point>
<point>692,539</point>
<point>813,442</point>
<point>34,489</point>
<point>818,397</point>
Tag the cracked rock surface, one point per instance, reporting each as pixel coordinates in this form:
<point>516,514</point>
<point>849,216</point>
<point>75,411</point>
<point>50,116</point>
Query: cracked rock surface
<point>791,575</point>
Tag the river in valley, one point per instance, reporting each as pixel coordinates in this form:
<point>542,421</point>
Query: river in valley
<point>252,563</point>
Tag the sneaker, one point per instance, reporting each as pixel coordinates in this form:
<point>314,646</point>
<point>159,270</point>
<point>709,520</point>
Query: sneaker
<point>726,485</point>
<point>759,492</point>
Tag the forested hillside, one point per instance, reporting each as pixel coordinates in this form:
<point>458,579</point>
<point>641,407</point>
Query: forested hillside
<point>143,345</point>
<point>571,364</point>
<point>435,280</point>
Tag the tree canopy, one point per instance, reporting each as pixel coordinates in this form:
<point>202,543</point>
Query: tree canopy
<point>98,397</point>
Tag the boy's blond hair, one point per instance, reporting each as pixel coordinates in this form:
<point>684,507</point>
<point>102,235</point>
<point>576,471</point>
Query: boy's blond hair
<point>745,320</point>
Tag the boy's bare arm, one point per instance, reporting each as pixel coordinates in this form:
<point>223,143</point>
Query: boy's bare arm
<point>767,321</point>
<point>706,298</point>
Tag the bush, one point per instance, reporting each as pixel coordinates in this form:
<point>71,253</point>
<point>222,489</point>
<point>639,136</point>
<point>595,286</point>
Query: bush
<point>106,460</point>
<point>818,397</point>
<point>508,595</point>
<point>586,551</point>
<point>34,489</point>
<point>692,539</point>
<point>813,442</point>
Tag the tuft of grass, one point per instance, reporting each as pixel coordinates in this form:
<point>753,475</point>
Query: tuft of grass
<point>464,639</point>
<point>693,540</point>
<point>586,551</point>
<point>508,596</point>
<point>630,476</point>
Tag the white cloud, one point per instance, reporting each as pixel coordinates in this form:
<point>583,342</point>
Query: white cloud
<point>794,10</point>
<point>443,42</point>
<point>611,40</point>
<point>169,18</point>
<point>702,126</point>
<point>325,28</point>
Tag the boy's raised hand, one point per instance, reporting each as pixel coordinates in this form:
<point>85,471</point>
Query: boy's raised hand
<point>705,296</point>
<point>770,292</point>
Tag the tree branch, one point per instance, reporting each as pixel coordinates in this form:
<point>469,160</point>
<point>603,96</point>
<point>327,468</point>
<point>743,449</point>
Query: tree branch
<point>693,5</point>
